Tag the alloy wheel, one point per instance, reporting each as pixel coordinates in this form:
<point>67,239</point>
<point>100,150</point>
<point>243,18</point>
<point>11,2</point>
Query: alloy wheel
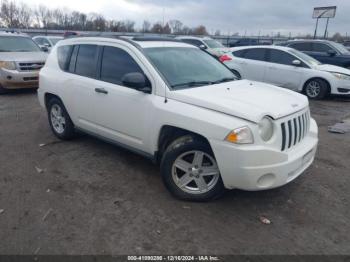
<point>58,120</point>
<point>313,89</point>
<point>195,172</point>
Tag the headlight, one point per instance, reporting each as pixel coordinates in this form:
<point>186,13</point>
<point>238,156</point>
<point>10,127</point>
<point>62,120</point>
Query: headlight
<point>266,128</point>
<point>242,135</point>
<point>8,65</point>
<point>341,76</point>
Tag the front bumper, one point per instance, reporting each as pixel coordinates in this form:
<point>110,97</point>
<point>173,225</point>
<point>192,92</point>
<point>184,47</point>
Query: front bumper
<point>13,79</point>
<point>250,167</point>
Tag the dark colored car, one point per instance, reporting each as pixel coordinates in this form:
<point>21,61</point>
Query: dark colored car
<point>327,52</point>
<point>248,42</point>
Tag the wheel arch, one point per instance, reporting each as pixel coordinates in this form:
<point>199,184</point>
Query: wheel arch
<point>168,134</point>
<point>317,78</point>
<point>49,96</point>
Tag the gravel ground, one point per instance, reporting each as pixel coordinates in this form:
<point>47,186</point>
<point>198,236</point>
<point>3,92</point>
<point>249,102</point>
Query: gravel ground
<point>89,197</point>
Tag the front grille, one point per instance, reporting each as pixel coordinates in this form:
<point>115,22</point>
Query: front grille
<point>30,66</point>
<point>34,78</point>
<point>294,130</point>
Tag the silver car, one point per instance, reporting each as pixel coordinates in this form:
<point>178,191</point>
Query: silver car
<point>20,61</point>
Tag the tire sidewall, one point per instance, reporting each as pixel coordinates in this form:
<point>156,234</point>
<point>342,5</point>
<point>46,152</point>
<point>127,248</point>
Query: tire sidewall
<point>175,149</point>
<point>69,128</point>
<point>323,89</point>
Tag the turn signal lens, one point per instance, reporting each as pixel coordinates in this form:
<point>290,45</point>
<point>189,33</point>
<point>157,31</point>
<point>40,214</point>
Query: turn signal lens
<point>242,135</point>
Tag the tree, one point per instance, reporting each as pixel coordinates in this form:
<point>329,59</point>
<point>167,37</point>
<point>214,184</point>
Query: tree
<point>9,13</point>
<point>200,30</point>
<point>176,26</point>
<point>157,28</point>
<point>166,29</point>
<point>337,37</point>
<point>146,27</point>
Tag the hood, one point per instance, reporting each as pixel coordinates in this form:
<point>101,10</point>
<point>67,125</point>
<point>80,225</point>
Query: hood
<point>333,68</point>
<point>244,99</point>
<point>22,56</point>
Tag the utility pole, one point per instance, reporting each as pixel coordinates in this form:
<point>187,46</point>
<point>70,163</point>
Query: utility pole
<point>326,31</point>
<point>316,28</point>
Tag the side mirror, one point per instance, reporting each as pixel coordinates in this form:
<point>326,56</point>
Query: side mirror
<point>44,49</point>
<point>331,52</point>
<point>47,45</point>
<point>136,80</point>
<point>296,62</point>
<point>202,47</point>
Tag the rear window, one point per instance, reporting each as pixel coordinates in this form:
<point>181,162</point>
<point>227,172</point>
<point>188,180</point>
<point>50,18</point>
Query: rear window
<point>63,56</point>
<point>86,61</point>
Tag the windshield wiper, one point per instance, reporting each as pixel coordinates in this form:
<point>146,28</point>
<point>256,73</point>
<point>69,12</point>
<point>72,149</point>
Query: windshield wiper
<point>194,83</point>
<point>226,79</point>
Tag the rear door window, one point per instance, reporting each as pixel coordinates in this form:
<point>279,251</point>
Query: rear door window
<point>301,46</point>
<point>86,61</point>
<point>258,54</point>
<point>280,57</point>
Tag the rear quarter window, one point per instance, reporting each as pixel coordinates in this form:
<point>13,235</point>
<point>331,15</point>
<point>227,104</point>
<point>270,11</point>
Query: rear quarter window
<point>63,56</point>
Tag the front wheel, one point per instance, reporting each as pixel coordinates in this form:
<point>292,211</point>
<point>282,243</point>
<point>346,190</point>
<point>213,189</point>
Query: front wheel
<point>189,170</point>
<point>316,89</point>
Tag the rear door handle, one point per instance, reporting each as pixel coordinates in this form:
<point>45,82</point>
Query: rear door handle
<point>101,90</point>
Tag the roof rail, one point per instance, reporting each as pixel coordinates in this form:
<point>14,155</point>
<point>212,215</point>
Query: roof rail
<point>154,38</point>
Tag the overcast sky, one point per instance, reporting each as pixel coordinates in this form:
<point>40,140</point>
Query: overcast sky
<point>229,16</point>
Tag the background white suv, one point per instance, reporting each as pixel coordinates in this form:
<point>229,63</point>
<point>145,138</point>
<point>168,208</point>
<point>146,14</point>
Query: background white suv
<point>179,106</point>
<point>288,68</point>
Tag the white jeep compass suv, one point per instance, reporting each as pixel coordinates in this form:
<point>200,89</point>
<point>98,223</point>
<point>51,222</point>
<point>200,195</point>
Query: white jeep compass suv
<point>179,106</point>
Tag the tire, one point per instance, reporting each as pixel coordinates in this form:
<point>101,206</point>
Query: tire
<point>236,73</point>
<point>316,89</point>
<point>183,167</point>
<point>60,122</point>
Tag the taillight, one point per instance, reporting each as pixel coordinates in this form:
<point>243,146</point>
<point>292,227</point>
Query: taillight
<point>225,58</point>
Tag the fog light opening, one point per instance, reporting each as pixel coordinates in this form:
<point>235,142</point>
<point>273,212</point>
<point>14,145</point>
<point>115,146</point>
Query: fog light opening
<point>266,180</point>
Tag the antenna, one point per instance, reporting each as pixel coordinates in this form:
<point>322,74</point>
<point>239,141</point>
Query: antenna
<point>165,87</point>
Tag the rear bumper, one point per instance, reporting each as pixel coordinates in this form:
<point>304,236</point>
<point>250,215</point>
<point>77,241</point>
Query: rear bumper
<point>259,168</point>
<point>12,79</point>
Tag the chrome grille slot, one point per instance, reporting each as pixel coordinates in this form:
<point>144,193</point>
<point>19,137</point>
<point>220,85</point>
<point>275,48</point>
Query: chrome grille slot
<point>294,130</point>
<point>30,66</point>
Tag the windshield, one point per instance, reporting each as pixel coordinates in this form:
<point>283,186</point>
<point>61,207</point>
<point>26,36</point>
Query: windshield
<point>306,58</point>
<point>54,40</point>
<point>341,48</point>
<point>188,67</point>
<point>213,44</point>
<point>18,44</point>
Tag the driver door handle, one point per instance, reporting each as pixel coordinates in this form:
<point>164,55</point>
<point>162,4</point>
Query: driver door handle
<point>101,90</point>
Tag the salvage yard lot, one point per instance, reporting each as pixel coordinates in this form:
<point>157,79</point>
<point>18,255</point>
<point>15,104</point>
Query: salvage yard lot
<point>88,197</point>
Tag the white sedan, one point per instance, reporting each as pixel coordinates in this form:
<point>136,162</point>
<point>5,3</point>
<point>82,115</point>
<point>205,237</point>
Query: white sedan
<point>288,68</point>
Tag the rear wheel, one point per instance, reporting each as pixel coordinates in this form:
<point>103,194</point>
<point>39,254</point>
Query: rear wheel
<point>189,170</point>
<point>60,122</point>
<point>316,89</point>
